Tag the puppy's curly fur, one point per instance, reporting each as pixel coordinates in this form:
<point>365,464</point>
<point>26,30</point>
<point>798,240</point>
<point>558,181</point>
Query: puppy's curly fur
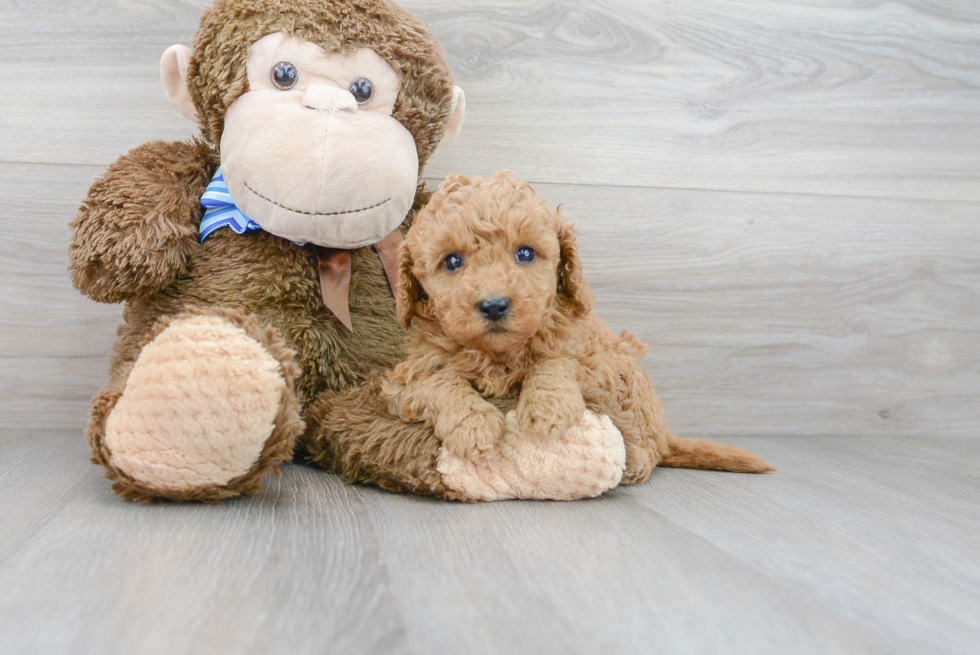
<point>493,240</point>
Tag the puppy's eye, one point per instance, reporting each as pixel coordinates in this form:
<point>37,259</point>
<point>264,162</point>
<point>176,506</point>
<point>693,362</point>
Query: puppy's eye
<point>452,262</point>
<point>362,90</point>
<point>284,75</point>
<point>524,254</point>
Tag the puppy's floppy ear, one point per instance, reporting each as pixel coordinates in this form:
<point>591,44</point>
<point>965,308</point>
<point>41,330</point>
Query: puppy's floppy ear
<point>574,295</point>
<point>409,294</point>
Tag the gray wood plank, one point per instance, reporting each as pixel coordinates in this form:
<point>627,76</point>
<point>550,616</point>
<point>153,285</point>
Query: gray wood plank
<point>876,100</point>
<point>853,546</point>
<point>49,470</point>
<point>599,576</point>
<point>870,100</point>
<point>295,570</point>
<point>767,314</point>
<point>884,531</point>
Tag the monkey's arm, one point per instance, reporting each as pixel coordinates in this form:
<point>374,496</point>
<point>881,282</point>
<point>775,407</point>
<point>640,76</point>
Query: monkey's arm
<point>138,226</point>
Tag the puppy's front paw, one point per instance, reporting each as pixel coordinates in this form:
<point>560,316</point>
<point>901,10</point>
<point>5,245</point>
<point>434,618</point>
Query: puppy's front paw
<point>549,415</point>
<point>477,435</point>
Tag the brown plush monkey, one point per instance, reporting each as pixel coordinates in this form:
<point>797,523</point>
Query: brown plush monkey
<point>320,114</point>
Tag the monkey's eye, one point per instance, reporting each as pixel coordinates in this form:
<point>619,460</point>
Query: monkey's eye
<point>284,75</point>
<point>524,254</point>
<point>362,90</point>
<point>452,263</point>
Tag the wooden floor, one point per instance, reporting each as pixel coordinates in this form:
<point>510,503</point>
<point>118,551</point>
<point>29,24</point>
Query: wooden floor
<point>854,546</point>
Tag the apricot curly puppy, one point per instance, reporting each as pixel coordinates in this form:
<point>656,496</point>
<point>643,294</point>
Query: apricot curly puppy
<point>491,278</point>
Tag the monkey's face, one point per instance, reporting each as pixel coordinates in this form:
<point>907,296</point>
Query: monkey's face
<point>311,151</point>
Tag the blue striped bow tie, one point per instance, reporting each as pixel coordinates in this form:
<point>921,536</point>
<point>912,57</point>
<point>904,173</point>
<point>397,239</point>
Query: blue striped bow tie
<point>220,210</point>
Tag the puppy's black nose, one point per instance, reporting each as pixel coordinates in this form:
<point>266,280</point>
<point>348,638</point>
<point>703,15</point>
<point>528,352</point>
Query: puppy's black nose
<point>494,308</point>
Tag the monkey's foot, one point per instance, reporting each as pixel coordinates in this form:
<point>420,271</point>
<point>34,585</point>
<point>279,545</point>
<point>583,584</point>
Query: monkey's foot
<point>205,414</point>
<point>584,462</point>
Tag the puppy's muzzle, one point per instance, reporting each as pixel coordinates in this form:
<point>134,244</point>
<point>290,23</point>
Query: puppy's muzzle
<point>494,308</point>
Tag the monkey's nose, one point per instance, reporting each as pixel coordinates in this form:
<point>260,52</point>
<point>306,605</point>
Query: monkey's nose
<point>494,308</point>
<point>323,97</point>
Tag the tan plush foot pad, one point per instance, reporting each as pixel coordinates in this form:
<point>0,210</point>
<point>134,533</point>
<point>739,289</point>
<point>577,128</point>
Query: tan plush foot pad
<point>587,461</point>
<point>197,409</point>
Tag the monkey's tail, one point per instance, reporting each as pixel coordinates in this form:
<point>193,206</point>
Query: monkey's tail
<point>702,454</point>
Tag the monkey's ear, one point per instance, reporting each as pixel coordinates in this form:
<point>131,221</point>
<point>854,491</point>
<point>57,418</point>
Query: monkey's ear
<point>574,295</point>
<point>173,73</point>
<point>455,122</point>
<point>409,295</point>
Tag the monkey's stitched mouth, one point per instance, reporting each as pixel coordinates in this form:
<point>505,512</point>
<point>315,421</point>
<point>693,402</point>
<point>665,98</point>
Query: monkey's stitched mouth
<point>300,211</point>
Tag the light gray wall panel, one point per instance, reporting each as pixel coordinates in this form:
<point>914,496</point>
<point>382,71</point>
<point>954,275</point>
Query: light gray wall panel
<point>781,198</point>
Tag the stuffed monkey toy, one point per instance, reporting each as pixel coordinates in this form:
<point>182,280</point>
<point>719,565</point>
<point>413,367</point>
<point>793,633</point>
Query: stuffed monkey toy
<point>256,261</point>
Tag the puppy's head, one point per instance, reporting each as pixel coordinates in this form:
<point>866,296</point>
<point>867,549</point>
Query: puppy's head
<point>489,263</point>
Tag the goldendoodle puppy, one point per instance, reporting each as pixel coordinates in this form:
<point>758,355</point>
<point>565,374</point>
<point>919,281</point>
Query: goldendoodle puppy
<point>491,280</point>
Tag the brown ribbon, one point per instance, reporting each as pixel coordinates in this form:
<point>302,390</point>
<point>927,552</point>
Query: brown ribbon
<point>335,273</point>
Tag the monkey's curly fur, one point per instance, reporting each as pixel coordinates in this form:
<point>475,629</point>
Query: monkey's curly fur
<point>549,347</point>
<point>135,240</point>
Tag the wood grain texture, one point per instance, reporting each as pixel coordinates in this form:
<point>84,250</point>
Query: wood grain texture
<point>766,313</point>
<point>848,99</point>
<point>743,175</point>
<point>853,546</point>
<point>165,584</point>
<point>781,197</point>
